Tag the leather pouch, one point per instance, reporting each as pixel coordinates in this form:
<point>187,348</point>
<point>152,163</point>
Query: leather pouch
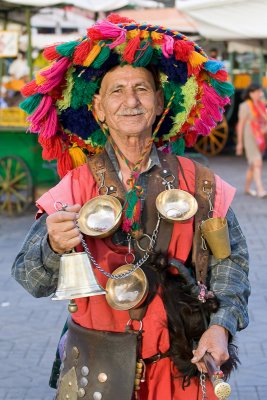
<point>98,365</point>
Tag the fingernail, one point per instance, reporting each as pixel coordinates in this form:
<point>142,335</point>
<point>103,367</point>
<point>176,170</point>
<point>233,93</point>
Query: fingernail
<point>194,359</point>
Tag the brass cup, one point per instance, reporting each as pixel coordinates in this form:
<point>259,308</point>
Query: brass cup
<point>176,205</point>
<point>126,293</point>
<point>215,232</point>
<point>100,216</point>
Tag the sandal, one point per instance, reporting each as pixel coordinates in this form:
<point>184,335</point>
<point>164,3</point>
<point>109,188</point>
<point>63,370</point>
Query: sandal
<point>262,195</point>
<point>251,192</point>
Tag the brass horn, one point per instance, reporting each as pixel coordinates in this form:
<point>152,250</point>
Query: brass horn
<point>76,279</point>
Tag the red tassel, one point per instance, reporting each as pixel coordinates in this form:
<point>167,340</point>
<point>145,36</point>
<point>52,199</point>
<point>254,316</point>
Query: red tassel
<point>82,51</point>
<point>130,49</point>
<point>50,53</point>
<point>118,19</point>
<point>94,33</point>
<point>29,89</point>
<point>182,49</point>
<point>64,164</point>
<point>221,75</point>
<point>52,147</point>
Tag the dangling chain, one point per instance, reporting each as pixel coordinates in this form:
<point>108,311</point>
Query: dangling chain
<point>136,266</point>
<point>211,210</point>
<point>202,380</point>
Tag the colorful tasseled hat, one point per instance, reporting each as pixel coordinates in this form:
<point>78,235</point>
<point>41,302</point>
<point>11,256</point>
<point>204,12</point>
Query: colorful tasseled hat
<point>60,97</point>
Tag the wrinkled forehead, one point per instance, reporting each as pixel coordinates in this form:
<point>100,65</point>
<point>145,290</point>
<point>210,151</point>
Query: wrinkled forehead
<point>127,74</point>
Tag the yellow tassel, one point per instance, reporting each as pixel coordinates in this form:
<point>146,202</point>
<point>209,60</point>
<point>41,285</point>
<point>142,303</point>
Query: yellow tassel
<point>77,156</point>
<point>144,34</point>
<point>156,36</point>
<point>39,79</point>
<point>132,34</point>
<point>196,59</point>
<point>92,55</point>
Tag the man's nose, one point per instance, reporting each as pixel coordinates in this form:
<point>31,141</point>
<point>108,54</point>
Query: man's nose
<point>131,98</point>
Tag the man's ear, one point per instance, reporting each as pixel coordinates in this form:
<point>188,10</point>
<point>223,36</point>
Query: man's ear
<point>98,107</point>
<point>160,100</point>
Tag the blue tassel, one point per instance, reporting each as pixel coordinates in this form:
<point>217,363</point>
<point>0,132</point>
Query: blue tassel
<point>213,66</point>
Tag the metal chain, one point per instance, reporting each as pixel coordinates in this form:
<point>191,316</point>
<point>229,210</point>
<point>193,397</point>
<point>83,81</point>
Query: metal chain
<point>202,380</point>
<point>137,265</point>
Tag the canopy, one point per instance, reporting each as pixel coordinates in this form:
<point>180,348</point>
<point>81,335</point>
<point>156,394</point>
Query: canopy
<point>227,19</point>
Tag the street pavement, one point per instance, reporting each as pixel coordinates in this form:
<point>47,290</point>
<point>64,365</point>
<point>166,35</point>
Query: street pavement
<point>30,327</point>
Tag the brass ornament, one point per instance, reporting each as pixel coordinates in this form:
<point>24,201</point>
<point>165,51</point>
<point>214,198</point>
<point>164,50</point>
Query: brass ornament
<point>176,205</point>
<point>68,387</point>
<point>100,216</point>
<point>129,292</point>
<point>215,232</point>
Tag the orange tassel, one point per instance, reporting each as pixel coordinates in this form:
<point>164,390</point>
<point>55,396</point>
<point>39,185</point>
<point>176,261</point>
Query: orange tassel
<point>52,147</point>
<point>92,55</point>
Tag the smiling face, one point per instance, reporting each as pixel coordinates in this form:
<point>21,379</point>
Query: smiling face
<point>128,101</point>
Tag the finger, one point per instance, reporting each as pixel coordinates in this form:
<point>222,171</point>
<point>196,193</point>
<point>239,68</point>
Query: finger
<point>62,216</point>
<point>201,367</point>
<point>198,354</point>
<point>75,208</point>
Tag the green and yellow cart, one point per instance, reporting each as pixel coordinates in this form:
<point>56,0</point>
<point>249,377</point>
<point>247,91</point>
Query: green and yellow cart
<point>24,176</point>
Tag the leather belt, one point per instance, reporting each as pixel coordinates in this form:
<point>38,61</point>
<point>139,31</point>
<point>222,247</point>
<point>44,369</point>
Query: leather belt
<point>156,357</point>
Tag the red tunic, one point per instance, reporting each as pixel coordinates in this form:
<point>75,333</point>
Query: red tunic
<point>78,186</point>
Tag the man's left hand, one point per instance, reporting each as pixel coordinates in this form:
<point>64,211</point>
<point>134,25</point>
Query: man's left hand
<point>214,341</point>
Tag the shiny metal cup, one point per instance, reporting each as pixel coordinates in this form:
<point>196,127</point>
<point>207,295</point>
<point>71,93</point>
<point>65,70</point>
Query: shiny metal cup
<point>215,232</point>
<point>129,292</point>
<point>76,278</point>
<point>100,216</point>
<point>176,205</point>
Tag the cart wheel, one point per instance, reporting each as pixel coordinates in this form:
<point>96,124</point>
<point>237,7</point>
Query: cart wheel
<point>15,185</point>
<point>214,143</point>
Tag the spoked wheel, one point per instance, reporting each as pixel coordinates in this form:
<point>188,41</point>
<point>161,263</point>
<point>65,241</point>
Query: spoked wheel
<point>214,143</point>
<point>15,186</point>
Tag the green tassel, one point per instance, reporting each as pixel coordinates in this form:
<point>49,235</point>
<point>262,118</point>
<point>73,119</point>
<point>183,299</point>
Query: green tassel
<point>143,57</point>
<point>67,49</point>
<point>102,57</point>
<point>131,200</point>
<point>83,91</point>
<point>224,89</point>
<point>178,147</point>
<point>97,138</point>
<point>31,103</point>
<point>177,103</point>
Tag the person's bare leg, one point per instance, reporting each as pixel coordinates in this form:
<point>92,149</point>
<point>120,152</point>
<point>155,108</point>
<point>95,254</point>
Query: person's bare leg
<point>257,175</point>
<point>249,178</point>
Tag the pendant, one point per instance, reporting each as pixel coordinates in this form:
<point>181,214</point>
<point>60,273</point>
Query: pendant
<point>129,292</point>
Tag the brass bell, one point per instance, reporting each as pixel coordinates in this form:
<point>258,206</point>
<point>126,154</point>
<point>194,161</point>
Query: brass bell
<point>176,205</point>
<point>76,278</point>
<point>100,216</point>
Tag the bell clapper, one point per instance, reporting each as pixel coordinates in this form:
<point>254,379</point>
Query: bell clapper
<point>72,306</point>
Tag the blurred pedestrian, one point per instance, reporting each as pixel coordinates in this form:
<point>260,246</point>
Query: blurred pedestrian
<point>251,134</point>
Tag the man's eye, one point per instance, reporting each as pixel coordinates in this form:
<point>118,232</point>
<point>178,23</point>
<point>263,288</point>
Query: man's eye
<point>141,88</point>
<point>116,90</point>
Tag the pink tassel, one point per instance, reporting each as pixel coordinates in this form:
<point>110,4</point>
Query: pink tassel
<point>50,126</point>
<point>54,75</point>
<point>40,113</point>
<point>112,31</point>
<point>167,47</point>
<point>202,128</point>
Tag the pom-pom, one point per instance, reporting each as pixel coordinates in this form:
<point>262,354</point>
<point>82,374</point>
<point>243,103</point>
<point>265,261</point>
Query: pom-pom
<point>224,89</point>
<point>178,146</point>
<point>92,55</point>
<point>49,127</point>
<point>182,49</point>
<point>213,66</point>
<point>118,19</point>
<point>167,47</point>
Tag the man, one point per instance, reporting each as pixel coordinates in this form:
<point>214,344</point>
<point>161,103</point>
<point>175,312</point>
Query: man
<point>138,84</point>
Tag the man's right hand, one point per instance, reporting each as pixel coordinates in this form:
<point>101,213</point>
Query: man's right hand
<point>63,234</point>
